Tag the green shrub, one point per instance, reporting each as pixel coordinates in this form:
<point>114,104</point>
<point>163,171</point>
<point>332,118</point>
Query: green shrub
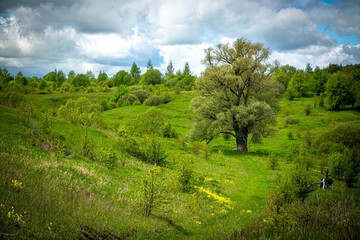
<point>152,196</point>
<point>273,161</point>
<point>107,157</point>
<point>166,98</point>
<point>290,94</point>
<point>153,101</point>
<point>338,91</point>
<point>307,109</point>
<point>147,149</point>
<point>147,123</point>
<point>290,136</point>
<point>154,153</point>
<point>336,164</point>
<point>82,112</point>
<point>168,131</point>
<point>308,138</point>
<point>105,105</point>
<point>121,91</point>
<point>292,121</point>
<point>337,138</point>
<point>292,187</point>
<point>12,99</point>
<point>142,95</point>
<point>127,100</point>
<point>196,148</point>
<point>185,176</point>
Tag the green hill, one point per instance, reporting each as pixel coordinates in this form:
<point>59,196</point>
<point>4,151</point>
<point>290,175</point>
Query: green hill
<point>51,189</point>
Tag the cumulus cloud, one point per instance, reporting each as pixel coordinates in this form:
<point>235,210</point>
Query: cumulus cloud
<point>341,54</point>
<point>109,35</point>
<point>342,18</point>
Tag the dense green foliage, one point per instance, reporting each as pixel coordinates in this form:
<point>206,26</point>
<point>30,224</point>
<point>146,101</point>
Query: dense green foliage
<point>77,160</point>
<point>231,94</point>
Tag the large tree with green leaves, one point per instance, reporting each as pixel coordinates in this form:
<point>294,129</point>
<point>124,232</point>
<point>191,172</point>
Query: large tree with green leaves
<point>233,94</point>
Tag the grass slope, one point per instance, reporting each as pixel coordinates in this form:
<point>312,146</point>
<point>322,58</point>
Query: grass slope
<point>76,198</point>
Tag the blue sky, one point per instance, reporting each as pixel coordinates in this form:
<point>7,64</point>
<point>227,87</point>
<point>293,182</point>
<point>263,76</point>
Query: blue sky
<point>38,36</point>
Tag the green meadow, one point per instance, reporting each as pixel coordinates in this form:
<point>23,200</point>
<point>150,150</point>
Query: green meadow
<point>55,194</point>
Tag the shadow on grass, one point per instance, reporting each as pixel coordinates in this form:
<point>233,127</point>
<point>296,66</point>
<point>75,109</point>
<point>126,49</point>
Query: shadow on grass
<point>174,225</point>
<point>257,153</point>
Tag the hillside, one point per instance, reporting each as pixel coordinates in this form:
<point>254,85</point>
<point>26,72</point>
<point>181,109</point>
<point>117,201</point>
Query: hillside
<point>51,189</point>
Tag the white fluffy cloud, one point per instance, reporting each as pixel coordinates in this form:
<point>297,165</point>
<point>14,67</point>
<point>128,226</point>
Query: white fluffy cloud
<point>37,36</point>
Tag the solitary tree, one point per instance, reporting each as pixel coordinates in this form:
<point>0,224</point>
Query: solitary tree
<point>169,70</point>
<point>233,94</point>
<point>187,69</point>
<point>135,72</point>
<point>149,65</point>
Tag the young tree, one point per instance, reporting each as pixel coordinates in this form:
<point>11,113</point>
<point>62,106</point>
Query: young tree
<point>149,65</point>
<point>338,91</point>
<point>151,77</point>
<point>186,69</point>
<point>231,94</point>
<point>135,72</point>
<point>169,70</point>
<point>90,75</point>
<point>102,77</point>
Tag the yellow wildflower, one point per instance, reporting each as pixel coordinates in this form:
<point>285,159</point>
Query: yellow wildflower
<point>248,211</point>
<point>198,222</point>
<point>17,184</point>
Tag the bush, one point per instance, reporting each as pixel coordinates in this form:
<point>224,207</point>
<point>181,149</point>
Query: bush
<point>154,153</point>
<point>82,112</point>
<point>308,138</point>
<point>128,98</point>
<point>141,95</point>
<point>106,157</point>
<point>153,101</point>
<point>121,91</point>
<point>12,99</point>
<point>147,123</point>
<point>290,94</point>
<point>292,187</point>
<point>152,196</point>
<point>105,105</point>
<point>147,149</point>
<point>168,131</point>
<point>336,165</point>
<point>307,109</point>
<point>273,161</point>
<point>338,91</point>
<point>166,98</point>
<point>186,177</point>
<point>292,121</point>
<point>337,138</point>
<point>290,136</point>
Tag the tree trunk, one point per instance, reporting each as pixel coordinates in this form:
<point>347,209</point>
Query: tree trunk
<point>241,143</point>
<point>241,135</point>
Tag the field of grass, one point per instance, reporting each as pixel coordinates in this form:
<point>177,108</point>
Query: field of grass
<point>74,197</point>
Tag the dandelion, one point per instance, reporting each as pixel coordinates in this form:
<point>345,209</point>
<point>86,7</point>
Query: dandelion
<point>223,211</point>
<point>198,222</point>
<point>248,211</point>
<point>49,226</point>
<point>17,184</point>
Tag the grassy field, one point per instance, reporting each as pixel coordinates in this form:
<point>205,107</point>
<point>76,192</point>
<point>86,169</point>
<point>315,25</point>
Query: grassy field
<point>73,197</point>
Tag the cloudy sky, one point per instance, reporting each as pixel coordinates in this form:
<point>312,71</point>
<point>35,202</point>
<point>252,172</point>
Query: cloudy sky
<point>38,36</point>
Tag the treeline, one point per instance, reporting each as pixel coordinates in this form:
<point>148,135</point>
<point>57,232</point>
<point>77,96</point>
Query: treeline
<point>58,82</point>
<point>335,87</point>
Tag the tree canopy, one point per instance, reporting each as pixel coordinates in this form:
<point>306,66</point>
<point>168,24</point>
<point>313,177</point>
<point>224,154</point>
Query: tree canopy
<point>231,98</point>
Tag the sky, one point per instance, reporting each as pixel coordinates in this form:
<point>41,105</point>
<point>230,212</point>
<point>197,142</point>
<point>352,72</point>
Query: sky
<point>39,36</point>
